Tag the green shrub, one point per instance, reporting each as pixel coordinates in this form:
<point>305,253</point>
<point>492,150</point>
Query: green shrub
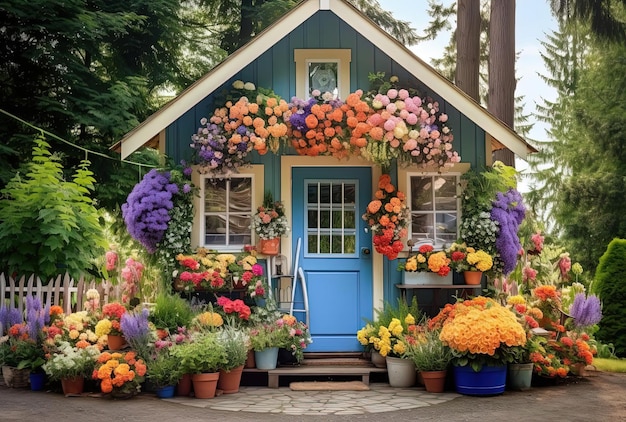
<point>171,312</point>
<point>610,286</point>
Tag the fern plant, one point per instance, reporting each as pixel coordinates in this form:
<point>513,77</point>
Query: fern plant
<point>49,225</point>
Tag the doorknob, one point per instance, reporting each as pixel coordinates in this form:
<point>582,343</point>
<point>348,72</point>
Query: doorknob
<point>365,251</point>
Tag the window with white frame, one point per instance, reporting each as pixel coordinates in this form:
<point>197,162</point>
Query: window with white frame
<point>435,207</point>
<point>228,206</point>
<point>327,70</point>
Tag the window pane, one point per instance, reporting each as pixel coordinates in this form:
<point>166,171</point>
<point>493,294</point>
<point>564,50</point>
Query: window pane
<point>312,195</point>
<point>215,230</point>
<point>323,76</point>
<point>421,194</point>
<point>349,244</point>
<point>215,196</point>
<point>446,227</point>
<point>422,227</point>
<point>349,193</point>
<point>240,195</point>
<point>324,193</point>
<point>445,193</point>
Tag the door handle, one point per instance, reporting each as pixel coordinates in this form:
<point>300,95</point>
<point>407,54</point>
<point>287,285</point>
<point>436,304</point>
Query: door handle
<point>365,251</point>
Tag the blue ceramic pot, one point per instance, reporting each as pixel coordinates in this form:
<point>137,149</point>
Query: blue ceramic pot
<point>37,381</point>
<point>490,380</point>
<point>165,392</point>
<point>266,358</point>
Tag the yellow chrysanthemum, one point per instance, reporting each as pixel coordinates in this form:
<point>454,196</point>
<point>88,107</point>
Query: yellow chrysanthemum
<point>103,327</point>
<point>516,300</point>
<point>409,319</point>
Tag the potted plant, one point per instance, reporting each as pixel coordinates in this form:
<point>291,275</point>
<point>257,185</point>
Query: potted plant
<point>120,374</point>
<point>71,365</point>
<point>270,223</point>
<point>395,324</point>
<point>110,325</point>
<point>164,371</point>
<point>265,339</point>
<point>298,337</point>
<point>170,312</point>
<point>203,356</point>
<point>426,266</point>
<point>470,261</point>
<point>482,335</point>
<point>235,342</point>
<point>431,358</point>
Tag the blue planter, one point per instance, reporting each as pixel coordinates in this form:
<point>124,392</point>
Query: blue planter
<point>490,380</point>
<point>165,392</point>
<point>266,358</point>
<point>37,381</point>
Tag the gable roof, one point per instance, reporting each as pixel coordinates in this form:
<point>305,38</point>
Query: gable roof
<point>151,128</point>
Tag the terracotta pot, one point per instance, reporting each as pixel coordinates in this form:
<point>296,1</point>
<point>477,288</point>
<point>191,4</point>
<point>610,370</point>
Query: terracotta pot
<point>230,380</point>
<point>434,381</point>
<point>183,388</point>
<point>578,369</point>
<point>473,277</point>
<point>73,386</point>
<point>250,363</point>
<point>269,246</point>
<point>205,384</point>
<point>115,342</point>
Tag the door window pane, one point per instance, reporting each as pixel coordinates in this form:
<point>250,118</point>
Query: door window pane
<point>331,217</point>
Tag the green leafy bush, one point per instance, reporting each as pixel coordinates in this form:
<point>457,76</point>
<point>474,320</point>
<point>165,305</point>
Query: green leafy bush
<point>48,224</point>
<point>610,286</point>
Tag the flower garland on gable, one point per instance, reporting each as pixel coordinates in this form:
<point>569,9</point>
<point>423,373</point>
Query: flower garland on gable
<point>381,126</point>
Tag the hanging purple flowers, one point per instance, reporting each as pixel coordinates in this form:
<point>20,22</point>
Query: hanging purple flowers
<point>509,212</point>
<point>146,211</point>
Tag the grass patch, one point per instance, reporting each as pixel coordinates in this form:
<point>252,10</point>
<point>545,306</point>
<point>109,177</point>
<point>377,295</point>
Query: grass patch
<point>610,365</point>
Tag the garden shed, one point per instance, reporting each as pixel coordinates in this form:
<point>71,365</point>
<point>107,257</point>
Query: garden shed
<point>328,46</point>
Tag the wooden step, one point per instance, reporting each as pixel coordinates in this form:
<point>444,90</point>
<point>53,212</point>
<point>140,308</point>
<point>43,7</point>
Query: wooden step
<point>364,372</point>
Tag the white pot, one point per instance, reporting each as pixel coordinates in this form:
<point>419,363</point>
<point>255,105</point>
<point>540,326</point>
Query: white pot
<point>423,277</point>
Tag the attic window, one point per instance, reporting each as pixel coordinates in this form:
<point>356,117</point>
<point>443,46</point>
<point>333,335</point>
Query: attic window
<point>327,70</point>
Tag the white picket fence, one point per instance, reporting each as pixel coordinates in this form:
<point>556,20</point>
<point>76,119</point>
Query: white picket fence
<point>62,290</point>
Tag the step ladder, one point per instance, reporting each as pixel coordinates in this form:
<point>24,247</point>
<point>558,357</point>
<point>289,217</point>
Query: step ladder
<point>298,281</point>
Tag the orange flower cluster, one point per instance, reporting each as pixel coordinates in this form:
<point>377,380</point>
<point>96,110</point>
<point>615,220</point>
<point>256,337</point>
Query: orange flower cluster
<point>482,331</point>
<point>119,372</point>
<point>329,127</point>
<point>259,122</point>
<point>575,348</point>
<point>546,292</point>
<point>387,216</point>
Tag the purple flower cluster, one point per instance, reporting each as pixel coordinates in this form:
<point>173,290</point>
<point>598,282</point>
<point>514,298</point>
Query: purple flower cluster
<point>137,331</point>
<point>9,316</point>
<point>303,107</point>
<point>36,317</point>
<point>146,211</point>
<point>214,152</point>
<point>586,311</point>
<point>509,212</point>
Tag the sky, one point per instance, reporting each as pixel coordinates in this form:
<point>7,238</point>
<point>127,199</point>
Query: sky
<point>532,21</point>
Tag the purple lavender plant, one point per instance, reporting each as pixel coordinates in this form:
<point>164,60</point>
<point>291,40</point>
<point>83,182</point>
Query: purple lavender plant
<point>146,211</point>
<point>586,310</point>
<point>36,317</point>
<point>509,212</point>
<point>9,316</point>
<point>137,332</point>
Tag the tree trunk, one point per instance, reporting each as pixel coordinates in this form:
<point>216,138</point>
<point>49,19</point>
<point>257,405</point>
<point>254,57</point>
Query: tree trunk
<point>468,47</point>
<point>502,68</point>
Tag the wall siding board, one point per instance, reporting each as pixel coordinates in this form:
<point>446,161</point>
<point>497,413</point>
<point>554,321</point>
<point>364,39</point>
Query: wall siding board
<point>276,69</point>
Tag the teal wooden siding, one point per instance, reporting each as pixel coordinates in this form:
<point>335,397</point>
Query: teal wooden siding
<point>276,69</point>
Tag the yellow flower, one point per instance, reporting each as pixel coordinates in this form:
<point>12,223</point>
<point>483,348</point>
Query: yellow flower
<point>399,348</point>
<point>516,300</point>
<point>409,320</point>
<point>481,260</point>
<point>103,327</point>
<point>395,327</point>
<point>411,264</point>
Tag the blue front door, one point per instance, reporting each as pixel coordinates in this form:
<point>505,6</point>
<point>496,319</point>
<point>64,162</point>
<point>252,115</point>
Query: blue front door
<point>335,253</point>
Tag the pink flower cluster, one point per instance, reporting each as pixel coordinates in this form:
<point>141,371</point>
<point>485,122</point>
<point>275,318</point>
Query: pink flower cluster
<point>412,129</point>
<point>234,306</point>
<point>131,274</point>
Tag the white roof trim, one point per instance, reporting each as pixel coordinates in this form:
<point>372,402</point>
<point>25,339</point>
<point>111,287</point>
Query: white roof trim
<point>258,45</point>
